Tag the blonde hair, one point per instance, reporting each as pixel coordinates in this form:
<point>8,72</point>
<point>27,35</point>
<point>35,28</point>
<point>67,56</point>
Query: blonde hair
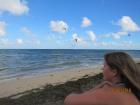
<point>128,69</point>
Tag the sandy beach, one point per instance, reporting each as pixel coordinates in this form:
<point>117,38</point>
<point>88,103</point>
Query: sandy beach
<point>48,89</point>
<point>22,84</point>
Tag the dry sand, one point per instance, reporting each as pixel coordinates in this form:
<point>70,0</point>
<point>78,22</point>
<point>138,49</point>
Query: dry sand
<point>22,84</point>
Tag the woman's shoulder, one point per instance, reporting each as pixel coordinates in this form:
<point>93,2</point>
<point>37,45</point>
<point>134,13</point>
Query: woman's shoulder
<point>98,96</point>
<point>118,94</point>
<point>104,93</point>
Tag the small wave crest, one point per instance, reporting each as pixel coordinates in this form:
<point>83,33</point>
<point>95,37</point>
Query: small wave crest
<point>3,68</point>
<point>67,63</point>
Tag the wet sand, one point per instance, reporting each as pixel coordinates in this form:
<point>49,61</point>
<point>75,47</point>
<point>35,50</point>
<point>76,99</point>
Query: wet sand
<point>22,84</point>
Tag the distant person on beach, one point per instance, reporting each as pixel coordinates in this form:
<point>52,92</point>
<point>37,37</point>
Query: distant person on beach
<point>121,84</point>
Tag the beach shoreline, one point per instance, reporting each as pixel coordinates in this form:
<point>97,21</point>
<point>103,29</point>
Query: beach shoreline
<point>23,84</point>
<point>55,92</point>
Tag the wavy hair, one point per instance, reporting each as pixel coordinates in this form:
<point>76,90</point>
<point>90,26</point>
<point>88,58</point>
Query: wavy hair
<point>128,69</point>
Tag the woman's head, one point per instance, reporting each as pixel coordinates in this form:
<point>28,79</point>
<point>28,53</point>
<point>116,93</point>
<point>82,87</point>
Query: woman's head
<point>121,65</point>
<point>110,74</point>
<point>118,63</point>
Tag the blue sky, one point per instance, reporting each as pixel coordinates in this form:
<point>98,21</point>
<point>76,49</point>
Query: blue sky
<point>69,24</point>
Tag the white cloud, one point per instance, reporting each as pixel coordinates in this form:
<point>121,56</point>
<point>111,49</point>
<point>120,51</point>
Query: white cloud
<point>116,45</point>
<point>116,35</point>
<point>127,43</point>
<point>59,26</point>
<point>78,40</point>
<point>128,25</point>
<point>19,41</point>
<point>16,7</point>
<point>26,31</point>
<point>4,41</point>
<point>103,44</point>
<point>86,22</point>
<point>33,37</point>
<point>92,36</point>
<point>2,28</point>
<point>37,42</point>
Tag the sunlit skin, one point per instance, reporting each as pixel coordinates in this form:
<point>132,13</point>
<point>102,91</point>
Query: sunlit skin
<point>110,75</point>
<point>102,94</point>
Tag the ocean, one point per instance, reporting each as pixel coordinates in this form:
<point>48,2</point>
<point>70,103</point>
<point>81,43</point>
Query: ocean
<point>29,62</point>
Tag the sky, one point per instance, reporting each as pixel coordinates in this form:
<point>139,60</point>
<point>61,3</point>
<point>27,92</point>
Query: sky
<point>70,24</point>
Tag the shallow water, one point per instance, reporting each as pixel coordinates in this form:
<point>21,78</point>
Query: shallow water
<point>15,63</point>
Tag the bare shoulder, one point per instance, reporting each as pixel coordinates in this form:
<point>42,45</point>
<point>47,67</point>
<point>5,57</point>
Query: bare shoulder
<point>104,94</point>
<point>99,96</point>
